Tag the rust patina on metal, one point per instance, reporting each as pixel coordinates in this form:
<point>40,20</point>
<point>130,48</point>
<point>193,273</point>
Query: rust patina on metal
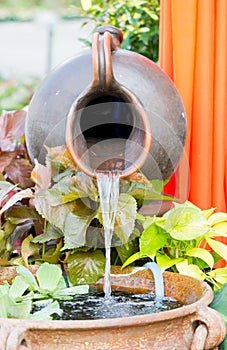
<point>193,326</point>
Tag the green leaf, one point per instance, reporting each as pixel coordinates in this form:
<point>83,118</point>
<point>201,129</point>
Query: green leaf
<point>126,250</point>
<point>20,310</point>
<point>202,254</point>
<point>18,287</point>
<point>152,239</point>
<point>48,276</point>
<point>53,255</point>
<point>20,213</point>
<point>54,214</point>
<point>28,277</point>
<point>217,218</point>
<point>50,233</point>
<point>4,304</point>
<point>86,267</point>
<point>125,217</point>
<point>220,275</point>
<point>220,229</point>
<point>185,223</point>
<point>46,312</point>
<point>75,228</point>
<point>165,262</point>
<point>190,270</point>
<point>133,258</point>
<point>67,292</point>
<point>28,248</point>
<point>218,247</point>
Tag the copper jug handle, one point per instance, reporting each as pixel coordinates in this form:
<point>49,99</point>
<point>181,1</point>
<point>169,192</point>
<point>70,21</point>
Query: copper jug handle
<point>105,40</point>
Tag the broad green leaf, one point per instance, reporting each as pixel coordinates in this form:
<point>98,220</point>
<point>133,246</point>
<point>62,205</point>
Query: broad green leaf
<point>86,184</point>
<point>28,248</point>
<point>141,191</point>
<point>220,275</point>
<point>86,267</point>
<point>46,312</point>
<point>152,239</point>
<point>219,302</point>
<point>125,217</point>
<point>18,287</point>
<point>165,262</point>
<point>28,277</point>
<point>126,250</point>
<point>221,228</point>
<point>55,215</point>
<point>218,247</point>
<point>48,276</point>
<point>186,223</point>
<point>21,213</point>
<point>75,228</point>
<point>217,218</point>
<point>202,254</point>
<point>50,233</point>
<point>190,270</point>
<point>67,292</point>
<point>4,303</point>
<point>20,310</point>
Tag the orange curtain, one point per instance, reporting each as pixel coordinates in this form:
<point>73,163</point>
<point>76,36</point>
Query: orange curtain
<point>193,52</point>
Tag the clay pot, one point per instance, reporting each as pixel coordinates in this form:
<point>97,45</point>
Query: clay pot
<point>193,326</point>
<point>110,95</point>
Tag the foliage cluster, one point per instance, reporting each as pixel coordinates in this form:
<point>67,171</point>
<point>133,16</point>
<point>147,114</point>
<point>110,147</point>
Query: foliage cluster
<point>60,219</point>
<point>187,240</point>
<point>138,20</point>
<point>44,289</point>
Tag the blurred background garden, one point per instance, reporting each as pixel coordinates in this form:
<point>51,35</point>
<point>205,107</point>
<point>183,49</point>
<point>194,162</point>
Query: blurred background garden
<point>38,35</point>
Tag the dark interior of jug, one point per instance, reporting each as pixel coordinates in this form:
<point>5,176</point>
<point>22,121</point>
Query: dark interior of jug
<point>108,131</point>
<point>106,117</point>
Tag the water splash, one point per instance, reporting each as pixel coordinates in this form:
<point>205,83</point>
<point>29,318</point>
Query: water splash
<point>158,278</point>
<point>108,187</point>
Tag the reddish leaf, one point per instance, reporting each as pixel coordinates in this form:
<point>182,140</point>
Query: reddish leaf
<point>19,172</point>
<point>12,125</point>
<point>16,198</point>
<point>6,158</point>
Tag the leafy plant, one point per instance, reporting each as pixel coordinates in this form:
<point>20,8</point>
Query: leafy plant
<point>18,299</point>
<point>185,240</point>
<point>49,283</point>
<point>138,20</point>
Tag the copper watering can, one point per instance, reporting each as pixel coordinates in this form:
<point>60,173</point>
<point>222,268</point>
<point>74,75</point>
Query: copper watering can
<point>115,110</point>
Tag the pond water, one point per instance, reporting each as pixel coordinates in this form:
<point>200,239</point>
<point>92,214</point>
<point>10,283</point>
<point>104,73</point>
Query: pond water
<point>120,304</point>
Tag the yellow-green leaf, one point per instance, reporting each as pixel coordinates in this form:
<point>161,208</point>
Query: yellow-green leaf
<point>220,275</point>
<point>190,270</point>
<point>218,247</point>
<point>202,254</point>
<point>217,217</point>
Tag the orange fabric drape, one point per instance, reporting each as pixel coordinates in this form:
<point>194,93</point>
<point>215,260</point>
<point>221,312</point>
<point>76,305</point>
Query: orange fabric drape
<point>193,52</point>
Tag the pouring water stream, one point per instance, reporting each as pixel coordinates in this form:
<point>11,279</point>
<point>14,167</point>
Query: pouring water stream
<point>108,187</point>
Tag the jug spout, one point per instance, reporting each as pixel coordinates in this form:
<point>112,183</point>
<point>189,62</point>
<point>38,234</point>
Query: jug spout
<point>107,127</point>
